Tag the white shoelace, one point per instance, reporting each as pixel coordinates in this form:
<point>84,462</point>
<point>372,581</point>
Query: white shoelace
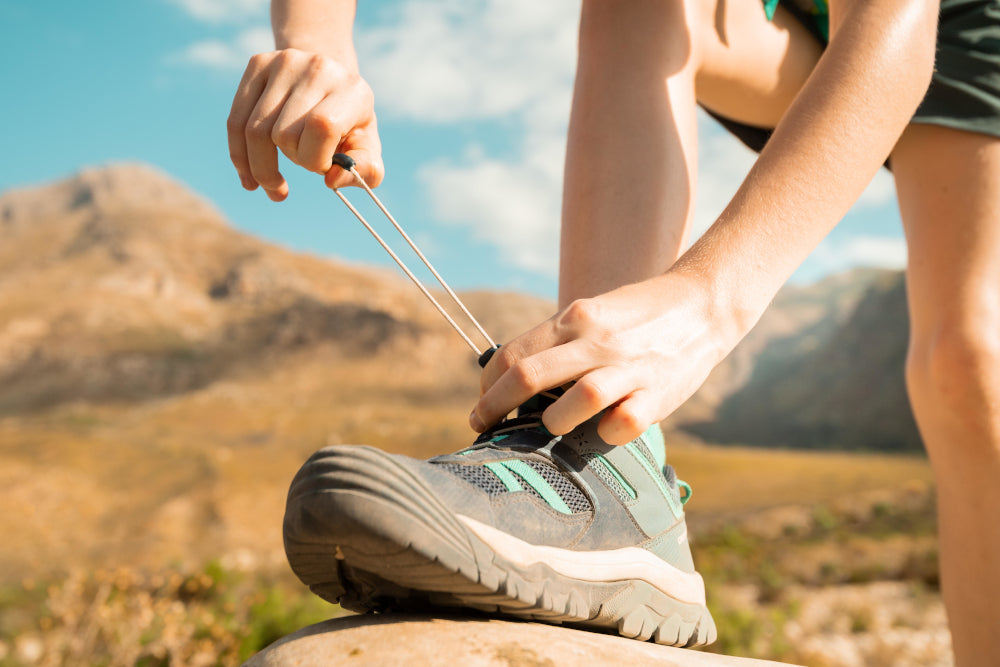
<point>347,163</point>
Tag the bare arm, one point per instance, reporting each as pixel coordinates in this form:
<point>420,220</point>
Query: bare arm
<point>824,152</point>
<point>645,348</point>
<point>306,99</point>
<point>316,26</point>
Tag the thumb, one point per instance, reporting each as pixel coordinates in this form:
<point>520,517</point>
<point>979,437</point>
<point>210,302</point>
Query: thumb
<point>367,162</point>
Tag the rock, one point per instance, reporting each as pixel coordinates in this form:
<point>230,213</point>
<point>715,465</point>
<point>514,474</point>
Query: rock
<point>431,641</point>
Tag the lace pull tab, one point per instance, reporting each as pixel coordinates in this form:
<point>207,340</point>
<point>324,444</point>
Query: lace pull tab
<point>688,492</point>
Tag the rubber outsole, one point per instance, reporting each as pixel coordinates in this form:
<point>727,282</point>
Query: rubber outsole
<point>364,531</point>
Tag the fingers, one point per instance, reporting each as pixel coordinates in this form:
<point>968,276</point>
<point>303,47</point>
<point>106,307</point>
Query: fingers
<point>541,338</point>
<point>617,390</point>
<point>629,419</point>
<point>308,107</point>
<point>251,86</point>
<point>592,393</point>
<point>261,151</point>
<point>550,368</point>
<point>364,146</point>
<point>255,108</point>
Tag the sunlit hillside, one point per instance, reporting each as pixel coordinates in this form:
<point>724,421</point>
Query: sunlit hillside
<point>162,377</point>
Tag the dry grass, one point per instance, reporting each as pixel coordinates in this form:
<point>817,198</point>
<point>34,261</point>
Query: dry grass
<point>212,617</point>
<point>156,490</point>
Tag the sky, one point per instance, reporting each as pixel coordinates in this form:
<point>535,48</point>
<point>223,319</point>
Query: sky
<point>472,100</point>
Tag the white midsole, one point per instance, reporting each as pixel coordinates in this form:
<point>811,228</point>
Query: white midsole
<point>595,566</point>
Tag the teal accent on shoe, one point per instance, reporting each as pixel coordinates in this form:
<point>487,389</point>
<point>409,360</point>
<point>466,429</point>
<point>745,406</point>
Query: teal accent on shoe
<point>769,7</point>
<point>617,475</point>
<point>538,483</point>
<point>509,480</point>
<point>654,440</point>
<point>657,477</point>
<point>498,438</point>
<point>688,491</point>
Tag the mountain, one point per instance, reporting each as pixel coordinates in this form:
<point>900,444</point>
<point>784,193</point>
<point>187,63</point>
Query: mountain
<point>121,284</point>
<point>163,375</point>
<point>797,320</point>
<point>832,382</point>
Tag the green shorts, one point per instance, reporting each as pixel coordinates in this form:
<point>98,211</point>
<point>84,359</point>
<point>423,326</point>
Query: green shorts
<point>965,89</point>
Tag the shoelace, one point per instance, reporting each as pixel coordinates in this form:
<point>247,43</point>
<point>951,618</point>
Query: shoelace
<point>524,422</point>
<point>507,426</point>
<point>347,163</point>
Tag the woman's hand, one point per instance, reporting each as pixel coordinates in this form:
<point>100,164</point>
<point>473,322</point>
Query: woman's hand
<point>639,351</point>
<point>309,106</point>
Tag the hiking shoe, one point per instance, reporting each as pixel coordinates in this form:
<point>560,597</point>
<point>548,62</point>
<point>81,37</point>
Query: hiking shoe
<point>558,529</point>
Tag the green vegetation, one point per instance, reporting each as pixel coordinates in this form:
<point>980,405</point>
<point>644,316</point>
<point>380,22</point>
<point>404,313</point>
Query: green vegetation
<point>218,616</point>
<point>215,617</point>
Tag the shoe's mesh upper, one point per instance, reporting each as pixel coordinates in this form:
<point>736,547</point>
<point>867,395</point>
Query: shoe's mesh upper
<point>641,444</point>
<point>602,471</point>
<point>670,475</point>
<point>484,478</point>
<point>567,490</point>
<point>477,475</point>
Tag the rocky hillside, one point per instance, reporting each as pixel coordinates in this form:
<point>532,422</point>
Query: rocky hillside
<point>163,376</point>
<point>121,285</point>
<point>836,382</point>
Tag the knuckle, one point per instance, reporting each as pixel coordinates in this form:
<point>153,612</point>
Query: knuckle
<point>317,64</point>
<point>258,130</point>
<point>235,125</point>
<point>259,61</point>
<point>285,56</point>
<point>580,313</point>
<point>628,419</point>
<point>285,138</point>
<point>267,180</point>
<point>505,359</point>
<point>322,125</point>
<point>591,393</point>
<point>366,93</point>
<point>525,375</point>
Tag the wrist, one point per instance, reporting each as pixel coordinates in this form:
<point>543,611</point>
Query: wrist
<point>343,55</point>
<point>732,304</point>
<point>323,27</point>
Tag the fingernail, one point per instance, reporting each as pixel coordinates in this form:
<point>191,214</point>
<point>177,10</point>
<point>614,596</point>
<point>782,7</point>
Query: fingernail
<point>476,423</point>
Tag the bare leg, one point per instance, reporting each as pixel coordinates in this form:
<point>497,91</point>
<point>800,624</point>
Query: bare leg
<point>631,156</point>
<point>949,191</point>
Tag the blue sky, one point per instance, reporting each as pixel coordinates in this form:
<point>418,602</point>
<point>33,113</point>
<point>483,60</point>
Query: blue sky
<point>472,99</point>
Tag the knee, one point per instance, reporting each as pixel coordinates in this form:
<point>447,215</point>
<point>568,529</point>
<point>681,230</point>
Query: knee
<point>954,369</point>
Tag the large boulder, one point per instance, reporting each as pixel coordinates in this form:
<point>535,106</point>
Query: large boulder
<point>432,641</point>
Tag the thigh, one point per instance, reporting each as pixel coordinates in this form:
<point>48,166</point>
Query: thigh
<point>948,183</point>
<point>751,68</point>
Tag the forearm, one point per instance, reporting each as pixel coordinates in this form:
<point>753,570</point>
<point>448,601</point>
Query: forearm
<point>316,26</point>
<point>826,149</point>
<point>631,152</point>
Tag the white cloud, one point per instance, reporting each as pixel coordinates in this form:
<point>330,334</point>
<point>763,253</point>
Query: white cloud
<point>513,209</point>
<point>223,11</point>
<point>227,55</point>
<point>453,60</point>
<point>510,61</point>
